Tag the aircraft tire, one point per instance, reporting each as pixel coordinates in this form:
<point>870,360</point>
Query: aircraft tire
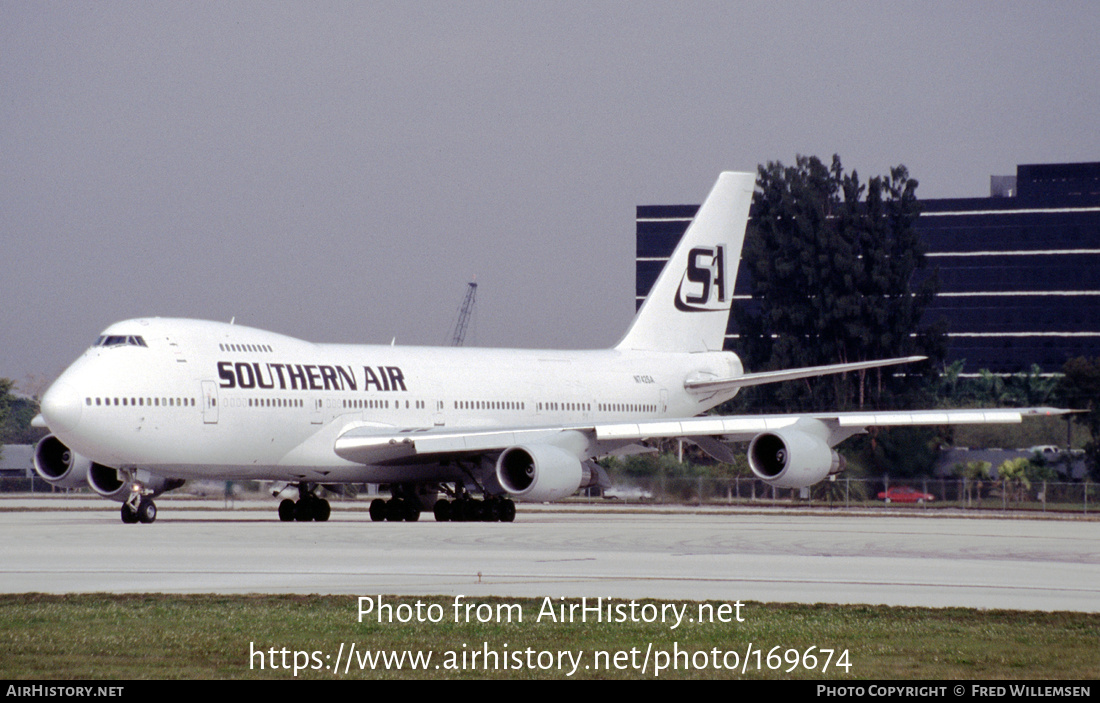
<point>507,510</point>
<point>477,511</point>
<point>147,511</point>
<point>303,510</point>
<point>321,509</point>
<point>286,510</point>
<point>396,510</point>
<point>129,517</point>
<point>442,510</point>
<point>378,510</point>
<point>461,510</point>
<point>490,510</point>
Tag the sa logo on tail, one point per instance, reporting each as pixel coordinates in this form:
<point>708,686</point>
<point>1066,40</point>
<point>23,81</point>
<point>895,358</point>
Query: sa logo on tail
<point>694,294</point>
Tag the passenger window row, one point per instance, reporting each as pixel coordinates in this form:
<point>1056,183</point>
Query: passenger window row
<point>489,405</point>
<point>275,403</point>
<point>143,402</point>
<point>368,404</point>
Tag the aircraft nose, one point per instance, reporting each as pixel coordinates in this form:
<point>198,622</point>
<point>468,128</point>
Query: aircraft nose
<point>61,407</point>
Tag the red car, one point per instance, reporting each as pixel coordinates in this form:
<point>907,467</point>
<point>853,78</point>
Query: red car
<point>905,494</point>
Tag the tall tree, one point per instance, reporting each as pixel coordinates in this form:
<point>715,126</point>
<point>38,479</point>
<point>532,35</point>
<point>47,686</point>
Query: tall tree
<point>1079,389</point>
<point>6,384</point>
<point>5,405</point>
<point>16,413</point>
<point>836,272</point>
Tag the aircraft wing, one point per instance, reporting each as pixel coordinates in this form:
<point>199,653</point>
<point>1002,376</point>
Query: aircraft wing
<point>742,428</point>
<point>374,445</point>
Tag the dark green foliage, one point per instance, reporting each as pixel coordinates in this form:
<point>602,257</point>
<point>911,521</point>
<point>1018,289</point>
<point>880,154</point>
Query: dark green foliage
<point>901,452</point>
<point>5,399</point>
<point>16,413</point>
<point>1024,389</point>
<point>834,265</point>
<point>1079,389</point>
<point>696,464</point>
<point>17,428</point>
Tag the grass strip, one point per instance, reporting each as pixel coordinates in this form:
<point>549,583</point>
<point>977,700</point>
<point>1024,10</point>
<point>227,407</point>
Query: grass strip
<point>165,636</point>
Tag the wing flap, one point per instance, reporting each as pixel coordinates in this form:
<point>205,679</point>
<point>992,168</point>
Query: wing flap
<point>728,426</point>
<point>369,445</point>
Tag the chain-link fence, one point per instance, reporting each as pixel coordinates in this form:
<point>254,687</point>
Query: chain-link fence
<point>926,493</point>
<point>21,484</point>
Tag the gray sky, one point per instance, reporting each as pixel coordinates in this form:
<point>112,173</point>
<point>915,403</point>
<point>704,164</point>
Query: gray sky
<point>339,171</point>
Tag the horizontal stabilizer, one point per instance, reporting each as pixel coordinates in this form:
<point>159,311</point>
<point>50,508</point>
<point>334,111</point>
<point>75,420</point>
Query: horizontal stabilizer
<point>713,385</point>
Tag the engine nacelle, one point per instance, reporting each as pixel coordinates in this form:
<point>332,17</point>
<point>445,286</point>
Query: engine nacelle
<point>539,472</point>
<point>60,466</point>
<point>108,483</point>
<point>790,458</point>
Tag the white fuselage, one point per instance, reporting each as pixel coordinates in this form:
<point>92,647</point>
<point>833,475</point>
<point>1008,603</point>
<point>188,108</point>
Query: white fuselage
<point>198,399</point>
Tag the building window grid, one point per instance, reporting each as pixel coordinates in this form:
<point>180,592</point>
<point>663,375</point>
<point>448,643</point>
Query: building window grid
<point>1042,292</point>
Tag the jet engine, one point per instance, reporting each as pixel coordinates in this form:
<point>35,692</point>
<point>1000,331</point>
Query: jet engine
<point>62,467</point>
<point>791,458</point>
<point>540,472</point>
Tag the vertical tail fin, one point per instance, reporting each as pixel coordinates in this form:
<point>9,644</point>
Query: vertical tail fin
<point>688,307</point>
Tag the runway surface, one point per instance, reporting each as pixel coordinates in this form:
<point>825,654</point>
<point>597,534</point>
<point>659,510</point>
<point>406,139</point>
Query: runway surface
<point>771,556</point>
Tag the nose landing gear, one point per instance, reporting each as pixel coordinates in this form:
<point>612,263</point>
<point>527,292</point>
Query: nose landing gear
<point>139,508</point>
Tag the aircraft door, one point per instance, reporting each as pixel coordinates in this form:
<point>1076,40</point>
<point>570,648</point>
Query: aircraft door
<point>210,402</point>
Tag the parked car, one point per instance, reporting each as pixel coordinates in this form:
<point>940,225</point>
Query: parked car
<point>1045,449</point>
<point>905,494</point>
<point>627,493</point>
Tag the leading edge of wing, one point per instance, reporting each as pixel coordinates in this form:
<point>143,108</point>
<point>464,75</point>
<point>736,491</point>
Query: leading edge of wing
<point>374,445</point>
<point>762,377</point>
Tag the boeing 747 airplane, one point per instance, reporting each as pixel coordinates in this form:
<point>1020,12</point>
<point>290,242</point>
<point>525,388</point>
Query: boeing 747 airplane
<point>155,402</point>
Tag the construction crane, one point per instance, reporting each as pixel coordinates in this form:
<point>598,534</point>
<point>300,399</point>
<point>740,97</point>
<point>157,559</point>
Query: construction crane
<point>464,315</point>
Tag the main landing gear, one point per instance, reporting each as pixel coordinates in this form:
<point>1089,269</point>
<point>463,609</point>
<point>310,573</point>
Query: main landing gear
<point>406,505</point>
<point>138,508</point>
<point>410,500</point>
<point>308,507</point>
<point>394,510</point>
<point>467,509</point>
<point>463,509</point>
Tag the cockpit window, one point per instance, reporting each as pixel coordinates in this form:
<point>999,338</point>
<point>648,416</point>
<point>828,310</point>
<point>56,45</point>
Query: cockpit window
<point>115,340</point>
